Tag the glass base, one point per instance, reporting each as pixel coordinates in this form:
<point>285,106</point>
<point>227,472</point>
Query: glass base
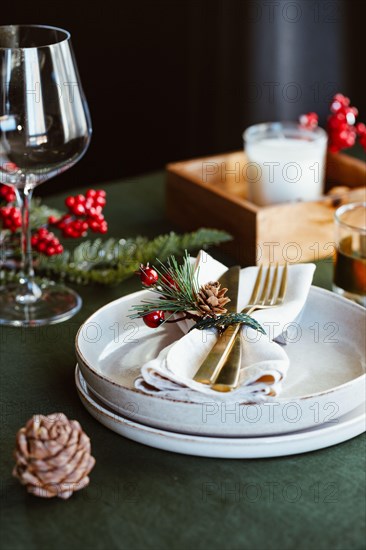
<point>57,303</point>
<point>358,298</point>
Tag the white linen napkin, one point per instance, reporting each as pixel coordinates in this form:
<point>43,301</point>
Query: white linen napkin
<point>264,363</point>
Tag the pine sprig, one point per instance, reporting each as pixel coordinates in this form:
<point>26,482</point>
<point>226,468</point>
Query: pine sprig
<point>177,289</point>
<point>112,261</point>
<point>222,322</point>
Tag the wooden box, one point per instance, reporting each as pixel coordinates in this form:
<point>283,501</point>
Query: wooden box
<point>212,192</point>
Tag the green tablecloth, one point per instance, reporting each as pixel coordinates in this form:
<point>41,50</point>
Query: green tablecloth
<point>141,497</point>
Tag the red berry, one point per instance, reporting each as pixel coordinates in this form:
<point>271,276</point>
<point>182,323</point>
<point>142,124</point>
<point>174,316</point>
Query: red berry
<point>343,100</point>
<point>310,120</point>
<point>148,275</point>
<point>88,204</point>
<point>78,209</point>
<point>100,201</point>
<point>70,201</point>
<point>42,232</point>
<point>337,122</point>
<point>168,280</point>
<point>50,250</point>
<point>154,319</point>
<point>90,194</point>
<point>76,224</point>
<point>5,211</point>
<point>68,231</point>
<point>101,193</point>
<point>94,226</point>
<point>339,102</point>
<point>42,246</point>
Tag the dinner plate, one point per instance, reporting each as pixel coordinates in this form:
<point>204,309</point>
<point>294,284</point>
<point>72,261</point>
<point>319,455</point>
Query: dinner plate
<point>325,435</point>
<point>326,378</point>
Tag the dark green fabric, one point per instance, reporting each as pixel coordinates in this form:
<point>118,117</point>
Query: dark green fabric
<point>141,497</point>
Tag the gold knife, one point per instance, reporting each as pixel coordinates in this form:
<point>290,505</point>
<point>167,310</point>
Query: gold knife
<point>228,376</point>
<point>216,358</point>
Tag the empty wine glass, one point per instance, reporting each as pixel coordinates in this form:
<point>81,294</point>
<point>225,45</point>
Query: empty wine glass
<point>44,130</point>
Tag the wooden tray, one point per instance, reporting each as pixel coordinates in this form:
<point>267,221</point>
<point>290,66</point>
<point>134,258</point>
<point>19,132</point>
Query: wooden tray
<point>212,192</point>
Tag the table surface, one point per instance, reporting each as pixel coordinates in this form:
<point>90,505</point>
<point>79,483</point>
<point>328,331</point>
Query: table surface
<point>141,497</point>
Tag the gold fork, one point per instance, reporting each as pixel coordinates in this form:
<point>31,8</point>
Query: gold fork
<point>264,295</point>
<point>211,367</point>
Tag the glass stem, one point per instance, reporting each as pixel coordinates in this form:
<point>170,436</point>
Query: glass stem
<point>28,291</point>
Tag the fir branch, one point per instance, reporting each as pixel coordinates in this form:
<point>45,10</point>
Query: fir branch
<point>222,322</point>
<point>164,246</point>
<point>114,260</point>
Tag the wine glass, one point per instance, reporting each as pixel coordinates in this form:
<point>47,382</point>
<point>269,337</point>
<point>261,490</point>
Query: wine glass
<point>44,130</point>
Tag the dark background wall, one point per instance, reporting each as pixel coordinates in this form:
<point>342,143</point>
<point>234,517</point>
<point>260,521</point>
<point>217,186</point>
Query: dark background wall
<point>172,79</point>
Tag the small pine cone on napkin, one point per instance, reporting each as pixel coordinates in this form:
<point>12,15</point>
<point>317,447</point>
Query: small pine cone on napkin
<point>211,299</point>
<point>52,456</point>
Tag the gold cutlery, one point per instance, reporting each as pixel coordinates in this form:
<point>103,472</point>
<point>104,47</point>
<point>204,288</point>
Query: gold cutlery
<point>265,295</point>
<point>216,358</point>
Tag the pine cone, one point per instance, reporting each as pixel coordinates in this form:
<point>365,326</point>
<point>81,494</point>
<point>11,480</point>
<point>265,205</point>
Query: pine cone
<point>52,456</point>
<point>211,299</point>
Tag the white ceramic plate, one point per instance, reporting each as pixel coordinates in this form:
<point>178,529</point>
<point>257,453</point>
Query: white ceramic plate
<point>325,435</point>
<point>326,378</point>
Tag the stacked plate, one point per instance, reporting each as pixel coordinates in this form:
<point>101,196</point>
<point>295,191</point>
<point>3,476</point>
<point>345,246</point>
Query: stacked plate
<point>322,402</point>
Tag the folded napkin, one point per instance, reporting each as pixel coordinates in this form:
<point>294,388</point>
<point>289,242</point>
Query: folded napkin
<point>264,363</point>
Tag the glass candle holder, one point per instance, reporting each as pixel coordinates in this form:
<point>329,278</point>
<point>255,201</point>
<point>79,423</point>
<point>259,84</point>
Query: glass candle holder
<point>286,162</point>
<point>350,265</point>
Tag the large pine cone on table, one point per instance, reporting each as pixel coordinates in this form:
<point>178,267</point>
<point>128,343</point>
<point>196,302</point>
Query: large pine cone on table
<point>211,299</point>
<point>53,456</point>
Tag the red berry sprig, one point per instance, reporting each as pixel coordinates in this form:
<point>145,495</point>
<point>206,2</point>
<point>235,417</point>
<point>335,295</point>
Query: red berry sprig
<point>11,218</point>
<point>154,319</point>
<point>85,212</point>
<point>341,124</point>
<point>342,128</point>
<point>310,120</point>
<point>46,242</point>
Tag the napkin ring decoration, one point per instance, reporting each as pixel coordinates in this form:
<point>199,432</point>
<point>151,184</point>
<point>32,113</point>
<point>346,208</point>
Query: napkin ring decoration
<point>180,297</point>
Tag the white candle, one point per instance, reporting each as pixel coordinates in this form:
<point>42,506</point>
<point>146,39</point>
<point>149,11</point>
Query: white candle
<point>285,163</point>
